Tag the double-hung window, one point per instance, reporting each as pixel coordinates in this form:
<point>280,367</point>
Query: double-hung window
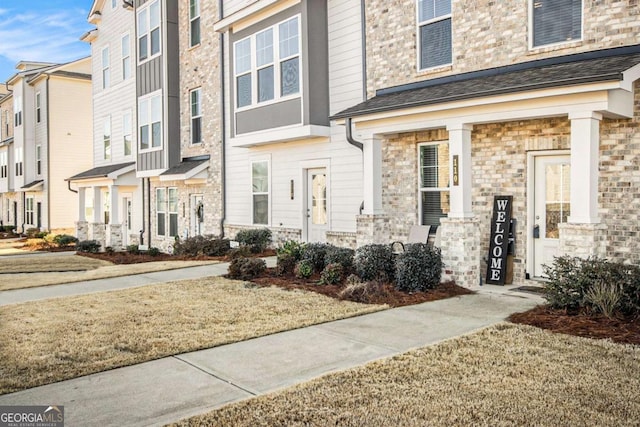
<point>106,139</point>
<point>161,211</point>
<point>28,210</point>
<point>150,122</point>
<point>17,110</point>
<point>173,211</point>
<point>434,182</point>
<point>18,161</point>
<point>126,132</point>
<point>260,191</point>
<point>105,68</point>
<point>196,116</point>
<point>38,107</point>
<point>126,56</point>
<point>38,159</point>
<point>267,64</point>
<point>194,23</point>
<point>4,161</point>
<point>149,31</point>
<point>555,21</point>
<point>434,33</point>
<point>167,204</point>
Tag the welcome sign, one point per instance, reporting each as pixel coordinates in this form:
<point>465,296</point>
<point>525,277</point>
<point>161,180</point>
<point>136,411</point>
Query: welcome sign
<point>497,265</point>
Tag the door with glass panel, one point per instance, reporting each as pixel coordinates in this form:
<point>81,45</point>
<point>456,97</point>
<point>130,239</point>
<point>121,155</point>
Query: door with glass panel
<point>127,211</point>
<point>316,211</point>
<point>552,206</point>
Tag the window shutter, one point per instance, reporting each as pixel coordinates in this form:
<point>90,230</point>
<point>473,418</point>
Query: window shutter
<point>435,41</point>
<point>556,21</point>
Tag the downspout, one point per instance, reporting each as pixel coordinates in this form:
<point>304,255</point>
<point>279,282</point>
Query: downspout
<point>24,209</point>
<point>356,144</point>
<point>143,223</point>
<point>69,187</point>
<point>48,181</point>
<point>148,211</point>
<point>223,181</point>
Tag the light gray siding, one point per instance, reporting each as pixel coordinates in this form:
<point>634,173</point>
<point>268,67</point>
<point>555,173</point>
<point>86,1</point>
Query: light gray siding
<point>150,76</point>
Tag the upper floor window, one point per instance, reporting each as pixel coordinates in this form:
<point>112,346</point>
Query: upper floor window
<point>434,182</point>
<point>194,22</point>
<point>38,107</point>
<point>150,122</point>
<point>105,68</point>
<point>18,162</point>
<point>17,110</point>
<point>106,138</point>
<point>556,21</point>
<point>126,132</point>
<point>196,116</point>
<point>149,31</point>
<point>434,29</point>
<point>3,135</point>
<point>4,164</point>
<point>38,159</point>
<point>6,124</point>
<point>267,64</point>
<point>126,57</point>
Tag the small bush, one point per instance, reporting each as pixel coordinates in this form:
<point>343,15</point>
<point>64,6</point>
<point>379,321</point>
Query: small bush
<point>604,297</point>
<point>246,268</point>
<point>418,268</point>
<point>363,292</point>
<point>31,232</point>
<point>41,234</point>
<point>133,249</point>
<point>201,245</point>
<point>315,253</point>
<point>8,228</point>
<point>332,274</point>
<point>256,239</point>
<point>286,264</point>
<point>342,256</point>
<point>109,250</point>
<point>303,269</point>
<point>375,262</point>
<point>239,252</point>
<point>90,246</point>
<point>291,247</point>
<point>153,251</point>
<point>64,240</point>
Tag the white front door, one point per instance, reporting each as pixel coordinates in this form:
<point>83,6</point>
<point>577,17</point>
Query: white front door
<point>316,205</point>
<point>197,215</point>
<point>552,206</point>
<point>127,210</point>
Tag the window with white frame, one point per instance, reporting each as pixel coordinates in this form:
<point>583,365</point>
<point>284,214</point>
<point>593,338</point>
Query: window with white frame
<point>3,134</point>
<point>126,56</point>
<point>38,107</point>
<point>434,182</point>
<point>150,122</point>
<point>267,64</point>
<point>18,162</point>
<point>194,23</point>
<point>4,164</point>
<point>6,124</point>
<point>113,4</point>
<point>173,211</point>
<point>149,31</point>
<point>196,116</point>
<point>555,21</point>
<point>434,33</point>
<point>38,159</point>
<point>126,132</point>
<point>105,68</point>
<point>260,191</point>
<point>17,110</point>
<point>28,210</point>
<point>161,211</point>
<point>106,139</point>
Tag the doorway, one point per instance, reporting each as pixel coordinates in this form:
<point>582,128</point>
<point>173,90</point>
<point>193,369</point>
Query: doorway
<point>127,213</point>
<point>552,191</point>
<point>316,200</point>
<point>39,215</point>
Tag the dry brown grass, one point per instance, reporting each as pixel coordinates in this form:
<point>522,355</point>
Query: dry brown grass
<point>104,270</point>
<point>62,338</point>
<point>507,375</point>
<point>45,263</point>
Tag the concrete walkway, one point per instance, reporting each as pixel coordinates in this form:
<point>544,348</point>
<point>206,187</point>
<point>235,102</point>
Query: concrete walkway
<point>172,388</point>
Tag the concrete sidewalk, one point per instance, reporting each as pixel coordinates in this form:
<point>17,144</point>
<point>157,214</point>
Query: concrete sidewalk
<point>169,389</point>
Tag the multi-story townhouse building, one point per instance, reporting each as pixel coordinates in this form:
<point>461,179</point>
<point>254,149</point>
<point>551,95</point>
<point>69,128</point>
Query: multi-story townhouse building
<point>288,66</point>
<point>51,127</point>
<point>536,100</point>
<point>8,196</point>
<point>110,195</point>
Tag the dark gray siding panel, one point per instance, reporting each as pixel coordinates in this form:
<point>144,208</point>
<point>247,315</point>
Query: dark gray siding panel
<point>149,78</point>
<point>151,160</point>
<point>172,91</point>
<point>271,116</point>
<point>173,131</point>
<point>315,48</point>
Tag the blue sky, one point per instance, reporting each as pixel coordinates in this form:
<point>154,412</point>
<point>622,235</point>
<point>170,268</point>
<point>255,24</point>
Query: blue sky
<point>42,31</point>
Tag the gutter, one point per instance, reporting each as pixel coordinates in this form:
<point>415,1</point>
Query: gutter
<point>223,129</point>
<point>358,145</point>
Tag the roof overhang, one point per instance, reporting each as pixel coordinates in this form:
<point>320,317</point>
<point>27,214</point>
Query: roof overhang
<point>101,173</point>
<point>190,171</point>
<point>33,186</point>
<point>251,14</point>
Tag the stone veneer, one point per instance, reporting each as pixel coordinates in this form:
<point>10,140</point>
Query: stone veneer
<point>486,34</point>
<point>114,240</point>
<point>344,239</point>
<point>582,240</point>
<point>97,232</point>
<point>82,230</point>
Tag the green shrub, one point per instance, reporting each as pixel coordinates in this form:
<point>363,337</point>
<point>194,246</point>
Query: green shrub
<point>133,249</point>
<point>375,262</point>
<point>201,245</point>
<point>342,256</point>
<point>246,268</point>
<point>41,234</point>
<point>153,251</point>
<point>418,268</point>
<point>291,247</point>
<point>332,274</point>
<point>315,253</point>
<point>286,263</point>
<point>630,302</point>
<point>8,228</point>
<point>109,250</point>
<point>64,240</point>
<point>256,239</point>
<point>303,269</point>
<point>239,252</point>
<point>91,246</point>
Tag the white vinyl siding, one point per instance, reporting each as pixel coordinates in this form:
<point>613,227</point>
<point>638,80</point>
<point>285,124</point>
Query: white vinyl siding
<point>434,33</point>
<point>555,21</point>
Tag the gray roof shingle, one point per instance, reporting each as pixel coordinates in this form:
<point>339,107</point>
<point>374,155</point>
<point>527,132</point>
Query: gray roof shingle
<point>100,171</point>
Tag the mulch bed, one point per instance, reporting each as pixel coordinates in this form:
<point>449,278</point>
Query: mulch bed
<point>387,294</point>
<point>582,324</point>
<point>129,258</point>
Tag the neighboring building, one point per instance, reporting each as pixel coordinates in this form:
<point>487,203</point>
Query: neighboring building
<point>110,195</point>
<point>288,66</point>
<point>474,99</point>
<point>51,130</point>
<point>8,197</point>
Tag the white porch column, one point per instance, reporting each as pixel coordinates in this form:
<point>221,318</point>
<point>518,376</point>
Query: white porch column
<point>460,165</point>
<point>372,171</point>
<point>81,203</point>
<point>113,205</point>
<point>585,141</point>
<point>97,205</point>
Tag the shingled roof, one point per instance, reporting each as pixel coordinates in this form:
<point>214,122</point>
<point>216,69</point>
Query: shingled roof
<point>100,171</point>
<point>588,67</point>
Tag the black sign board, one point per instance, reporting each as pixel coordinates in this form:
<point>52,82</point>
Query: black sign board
<point>500,223</point>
